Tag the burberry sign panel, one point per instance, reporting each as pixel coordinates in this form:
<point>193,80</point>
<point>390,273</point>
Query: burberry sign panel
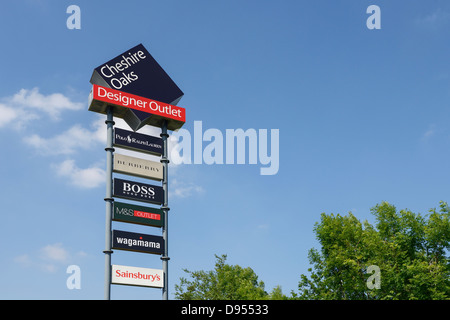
<point>138,167</point>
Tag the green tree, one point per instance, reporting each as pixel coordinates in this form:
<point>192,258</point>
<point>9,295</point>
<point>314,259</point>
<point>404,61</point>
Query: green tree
<point>410,250</point>
<point>225,282</point>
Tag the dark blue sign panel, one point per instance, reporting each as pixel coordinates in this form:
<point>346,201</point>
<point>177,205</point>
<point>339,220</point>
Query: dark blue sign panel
<point>138,242</point>
<point>135,71</point>
<point>138,142</point>
<point>138,191</point>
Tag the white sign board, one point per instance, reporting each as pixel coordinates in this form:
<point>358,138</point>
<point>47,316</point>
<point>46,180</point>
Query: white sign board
<point>135,276</point>
<point>138,167</point>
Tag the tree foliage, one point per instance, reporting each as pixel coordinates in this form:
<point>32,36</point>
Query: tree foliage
<point>410,250</point>
<point>225,282</point>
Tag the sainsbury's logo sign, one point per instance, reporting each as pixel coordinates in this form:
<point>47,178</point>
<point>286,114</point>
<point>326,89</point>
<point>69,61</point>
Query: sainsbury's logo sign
<point>135,276</point>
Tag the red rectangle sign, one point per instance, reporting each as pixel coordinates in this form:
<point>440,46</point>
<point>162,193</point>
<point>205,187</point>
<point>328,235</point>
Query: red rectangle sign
<point>123,99</point>
<point>147,215</point>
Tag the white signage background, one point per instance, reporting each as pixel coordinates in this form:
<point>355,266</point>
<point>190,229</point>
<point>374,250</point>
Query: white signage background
<point>135,276</point>
<point>138,167</point>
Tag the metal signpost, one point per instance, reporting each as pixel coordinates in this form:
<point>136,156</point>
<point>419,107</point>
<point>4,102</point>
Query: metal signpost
<point>165,258</point>
<point>125,87</point>
<point>109,200</point>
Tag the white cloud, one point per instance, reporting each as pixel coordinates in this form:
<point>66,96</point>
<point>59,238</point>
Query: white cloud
<point>24,260</point>
<point>26,105</point>
<point>67,142</point>
<point>263,226</point>
<point>51,104</point>
<point>183,190</point>
<point>7,114</point>
<point>91,177</point>
<point>429,133</point>
<point>48,258</point>
<point>437,17</point>
<point>54,252</point>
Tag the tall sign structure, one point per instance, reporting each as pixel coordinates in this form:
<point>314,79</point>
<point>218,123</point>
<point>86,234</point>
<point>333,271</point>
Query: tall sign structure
<point>134,87</point>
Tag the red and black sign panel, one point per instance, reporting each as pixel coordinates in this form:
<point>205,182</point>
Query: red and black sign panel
<point>136,72</point>
<point>125,105</point>
<point>130,213</point>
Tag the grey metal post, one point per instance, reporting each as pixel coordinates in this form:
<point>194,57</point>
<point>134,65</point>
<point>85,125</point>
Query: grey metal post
<point>109,200</point>
<point>165,258</point>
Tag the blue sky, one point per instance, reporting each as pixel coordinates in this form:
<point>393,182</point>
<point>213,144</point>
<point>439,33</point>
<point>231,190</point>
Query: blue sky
<point>362,117</point>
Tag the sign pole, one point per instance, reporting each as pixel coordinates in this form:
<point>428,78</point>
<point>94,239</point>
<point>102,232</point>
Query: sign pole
<point>165,258</point>
<point>109,200</point>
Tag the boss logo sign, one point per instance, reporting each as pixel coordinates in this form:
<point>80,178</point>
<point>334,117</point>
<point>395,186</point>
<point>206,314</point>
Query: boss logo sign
<point>138,191</point>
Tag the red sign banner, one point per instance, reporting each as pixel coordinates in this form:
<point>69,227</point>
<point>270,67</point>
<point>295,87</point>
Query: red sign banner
<point>101,97</point>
